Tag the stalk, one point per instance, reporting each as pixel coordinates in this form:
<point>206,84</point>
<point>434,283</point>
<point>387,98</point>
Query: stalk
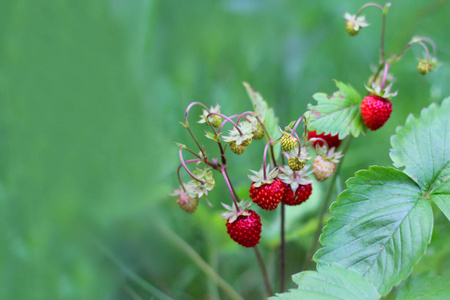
<point>263,271</point>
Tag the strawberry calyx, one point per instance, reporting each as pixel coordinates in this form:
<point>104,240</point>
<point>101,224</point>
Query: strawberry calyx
<point>295,178</point>
<point>330,155</point>
<point>380,91</point>
<point>260,178</point>
<point>234,212</point>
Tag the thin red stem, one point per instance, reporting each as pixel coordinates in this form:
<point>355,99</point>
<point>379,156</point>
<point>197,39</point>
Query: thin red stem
<point>183,163</point>
<point>282,249</point>
<point>264,158</point>
<point>227,180</point>
<point>298,122</point>
<point>367,5</point>
<point>227,119</point>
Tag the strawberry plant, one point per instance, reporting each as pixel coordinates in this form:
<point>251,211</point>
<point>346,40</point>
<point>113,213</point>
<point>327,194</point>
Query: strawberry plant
<point>380,225</point>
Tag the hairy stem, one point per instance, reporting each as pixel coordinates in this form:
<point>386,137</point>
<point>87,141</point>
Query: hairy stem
<point>230,187</point>
<point>282,249</point>
<point>186,168</point>
<point>367,5</point>
<point>323,209</point>
<point>263,271</point>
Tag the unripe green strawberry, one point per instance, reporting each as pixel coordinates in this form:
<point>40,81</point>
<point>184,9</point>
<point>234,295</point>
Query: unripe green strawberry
<point>258,133</point>
<point>238,149</point>
<point>350,27</point>
<point>323,168</point>
<point>295,164</point>
<point>216,121</point>
<point>247,142</point>
<point>423,67</point>
<point>288,142</point>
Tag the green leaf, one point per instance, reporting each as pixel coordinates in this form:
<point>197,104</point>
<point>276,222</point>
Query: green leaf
<point>330,282</point>
<point>339,114</point>
<point>380,227</point>
<point>421,146</point>
<point>266,114</point>
<point>425,286</point>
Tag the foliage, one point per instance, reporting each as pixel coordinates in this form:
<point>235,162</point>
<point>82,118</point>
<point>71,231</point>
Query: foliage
<point>338,114</point>
<point>382,224</point>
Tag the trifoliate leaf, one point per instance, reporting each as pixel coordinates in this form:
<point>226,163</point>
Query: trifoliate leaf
<point>422,147</point>
<point>331,282</point>
<point>425,286</point>
<point>337,114</point>
<point>380,227</point>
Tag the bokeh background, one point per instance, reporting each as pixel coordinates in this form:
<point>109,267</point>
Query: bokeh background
<point>91,95</point>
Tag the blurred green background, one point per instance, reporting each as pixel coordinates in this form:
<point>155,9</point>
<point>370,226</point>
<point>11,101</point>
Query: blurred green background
<point>91,93</point>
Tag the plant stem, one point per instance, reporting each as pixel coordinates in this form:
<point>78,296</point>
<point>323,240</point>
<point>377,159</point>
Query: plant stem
<point>282,249</point>
<point>367,5</point>
<point>187,123</point>
<point>383,26</point>
<point>223,123</point>
<point>263,271</point>
<point>186,168</point>
<point>230,187</point>
<point>274,161</point>
<point>323,209</point>
<point>182,245</point>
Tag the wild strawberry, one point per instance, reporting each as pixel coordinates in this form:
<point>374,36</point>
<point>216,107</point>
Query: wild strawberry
<point>243,225</point>
<point>325,163</point>
<point>297,185</point>
<point>288,142</point>
<point>266,190</point>
<point>239,139</point>
<point>186,199</point>
<point>247,142</point>
<point>214,120</point>
<point>258,133</point>
<point>238,149</point>
<point>296,164</point>
<point>332,140</point>
<point>297,160</point>
<point>376,108</point>
<point>375,111</point>
<point>354,23</point>
<point>426,65</point>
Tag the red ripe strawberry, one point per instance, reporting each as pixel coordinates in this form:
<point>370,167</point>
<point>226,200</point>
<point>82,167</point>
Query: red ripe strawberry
<point>301,194</point>
<point>332,140</point>
<point>375,111</point>
<point>268,195</point>
<point>297,185</point>
<point>246,229</point>
<point>266,190</point>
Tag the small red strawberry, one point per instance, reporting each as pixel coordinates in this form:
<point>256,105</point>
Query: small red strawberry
<point>332,140</point>
<point>375,111</point>
<point>297,185</point>
<point>266,190</point>
<point>376,108</point>
<point>325,163</point>
<point>243,225</point>
<point>301,195</point>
